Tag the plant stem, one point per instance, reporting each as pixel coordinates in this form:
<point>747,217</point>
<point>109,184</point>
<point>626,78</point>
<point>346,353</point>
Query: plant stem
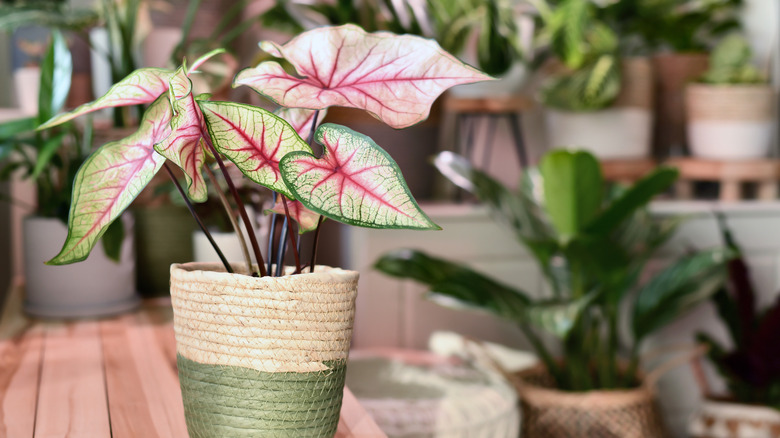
<point>313,127</point>
<point>271,233</point>
<point>240,205</point>
<point>282,242</point>
<point>233,221</point>
<point>316,243</point>
<point>291,234</point>
<point>197,218</point>
<point>543,353</point>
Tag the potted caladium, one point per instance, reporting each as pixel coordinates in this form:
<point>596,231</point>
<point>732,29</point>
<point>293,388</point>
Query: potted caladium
<point>261,353</point>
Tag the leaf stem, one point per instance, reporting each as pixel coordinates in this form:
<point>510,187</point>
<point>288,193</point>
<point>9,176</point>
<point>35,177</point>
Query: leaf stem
<point>271,233</point>
<point>226,204</point>
<point>316,243</point>
<point>313,127</point>
<point>197,218</point>
<point>292,237</point>
<point>282,242</point>
<point>240,205</point>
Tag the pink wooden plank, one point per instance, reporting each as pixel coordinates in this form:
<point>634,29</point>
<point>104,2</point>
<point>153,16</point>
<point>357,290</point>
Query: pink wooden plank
<point>20,365</point>
<point>355,422</point>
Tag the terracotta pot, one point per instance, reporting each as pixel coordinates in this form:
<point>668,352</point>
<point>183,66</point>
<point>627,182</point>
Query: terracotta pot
<point>672,72</point>
<point>730,122</point>
<point>262,356</point>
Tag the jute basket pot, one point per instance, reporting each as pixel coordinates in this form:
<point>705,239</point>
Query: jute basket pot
<point>730,122</point>
<point>548,412</point>
<point>262,356</point>
<point>726,419</point>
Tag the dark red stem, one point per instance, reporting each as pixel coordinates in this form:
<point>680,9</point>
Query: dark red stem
<point>316,242</point>
<point>291,234</point>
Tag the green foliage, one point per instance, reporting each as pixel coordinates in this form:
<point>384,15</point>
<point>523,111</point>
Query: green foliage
<point>732,63</point>
<point>48,13</point>
<point>592,243</point>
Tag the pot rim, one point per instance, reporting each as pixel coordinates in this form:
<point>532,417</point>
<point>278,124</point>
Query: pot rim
<point>216,272</point>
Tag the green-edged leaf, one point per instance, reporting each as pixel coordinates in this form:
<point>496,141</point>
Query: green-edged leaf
<point>109,180</point>
<point>139,87</point>
<point>301,119</point>
<point>632,199</point>
<point>56,72</point>
<point>307,220</point>
<point>573,189</point>
<point>185,145</point>
<point>112,240</point>
<point>678,288</point>
<point>355,182</point>
<point>254,139</point>
<point>455,284</point>
<point>558,316</point>
<point>395,78</point>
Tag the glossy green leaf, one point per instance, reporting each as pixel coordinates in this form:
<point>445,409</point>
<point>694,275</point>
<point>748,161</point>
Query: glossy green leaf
<point>453,284</point>
<point>254,139</point>
<point>355,182</point>
<point>47,150</point>
<point>56,70</point>
<point>395,78</point>
<point>639,195</point>
<point>139,87</point>
<point>185,145</point>
<point>307,220</point>
<point>558,316</point>
<point>109,180</point>
<point>678,288</point>
<point>573,190</point>
<point>12,128</point>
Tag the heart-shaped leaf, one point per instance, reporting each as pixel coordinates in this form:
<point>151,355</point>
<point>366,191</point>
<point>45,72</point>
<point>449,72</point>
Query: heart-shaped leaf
<point>139,87</point>
<point>254,139</point>
<point>185,145</point>
<point>307,220</point>
<point>396,78</point>
<point>109,181</point>
<point>355,182</point>
<point>301,119</point>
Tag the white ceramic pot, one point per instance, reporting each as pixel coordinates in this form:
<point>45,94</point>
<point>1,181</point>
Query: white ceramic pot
<point>720,419</point>
<point>731,122</point>
<point>95,287</point>
<point>622,131</point>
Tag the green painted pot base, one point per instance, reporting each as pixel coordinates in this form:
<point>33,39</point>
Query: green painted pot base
<point>227,401</point>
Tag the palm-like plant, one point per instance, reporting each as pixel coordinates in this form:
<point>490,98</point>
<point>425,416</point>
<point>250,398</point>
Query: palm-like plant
<point>591,244</point>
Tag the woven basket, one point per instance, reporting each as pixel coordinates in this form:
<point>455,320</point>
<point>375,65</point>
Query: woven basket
<point>262,356</point>
<point>551,413</point>
<point>731,102</point>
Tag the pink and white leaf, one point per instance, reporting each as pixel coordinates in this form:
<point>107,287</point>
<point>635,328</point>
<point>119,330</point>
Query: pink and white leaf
<point>185,145</point>
<point>142,86</point>
<point>307,220</point>
<point>300,119</point>
<point>355,182</point>
<point>109,180</point>
<point>396,78</point>
<point>254,139</point>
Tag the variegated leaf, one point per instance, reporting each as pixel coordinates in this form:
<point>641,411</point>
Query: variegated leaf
<point>300,119</point>
<point>254,139</point>
<point>109,180</point>
<point>140,87</point>
<point>396,78</point>
<point>355,182</point>
<point>185,146</point>
<point>307,220</point>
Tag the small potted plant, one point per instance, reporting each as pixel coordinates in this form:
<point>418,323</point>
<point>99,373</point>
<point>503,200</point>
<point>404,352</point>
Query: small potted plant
<point>750,367</point>
<point>597,96</point>
<point>50,159</point>
<point>262,347</point>
<point>591,244</point>
<point>731,109</point>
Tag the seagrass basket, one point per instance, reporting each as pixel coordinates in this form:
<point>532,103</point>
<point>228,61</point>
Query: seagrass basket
<point>551,413</point>
<point>262,357</point>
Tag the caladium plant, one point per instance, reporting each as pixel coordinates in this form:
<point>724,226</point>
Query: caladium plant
<point>354,181</point>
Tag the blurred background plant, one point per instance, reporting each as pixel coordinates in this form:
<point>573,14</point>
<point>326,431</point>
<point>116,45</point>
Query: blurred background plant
<point>592,243</point>
<point>731,62</point>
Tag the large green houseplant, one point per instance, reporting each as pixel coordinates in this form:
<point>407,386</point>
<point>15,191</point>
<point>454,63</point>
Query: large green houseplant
<point>259,350</point>
<point>591,244</point>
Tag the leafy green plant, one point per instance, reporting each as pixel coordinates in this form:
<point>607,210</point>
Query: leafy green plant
<point>591,244</point>
<point>587,51</point>
<point>751,368</point>
<point>394,78</point>
<point>732,63</point>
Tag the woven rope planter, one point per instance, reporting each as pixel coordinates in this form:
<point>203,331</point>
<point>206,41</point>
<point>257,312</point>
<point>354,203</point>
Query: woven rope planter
<point>262,356</point>
<point>552,413</point>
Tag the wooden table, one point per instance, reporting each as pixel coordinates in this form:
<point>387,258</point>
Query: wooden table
<point>112,377</point>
